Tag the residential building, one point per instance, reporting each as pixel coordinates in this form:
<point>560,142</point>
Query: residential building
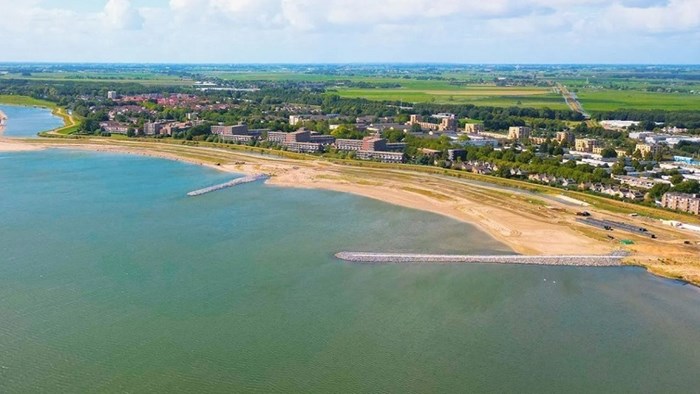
<point>348,145</point>
<point>519,133</point>
<point>396,146</point>
<point>152,128</point>
<point>276,137</point>
<point>239,138</point>
<point>474,128</point>
<point>322,139</point>
<point>239,129</point>
<point>174,127</point>
<point>448,122</point>
<point>682,202</point>
<point>586,144</point>
<point>303,147</point>
<point>112,95</point>
<point>385,157</point>
<point>301,135</point>
<point>648,149</point>
<point>639,182</point>
<point>114,127</point>
<point>373,144</point>
<point>565,136</point>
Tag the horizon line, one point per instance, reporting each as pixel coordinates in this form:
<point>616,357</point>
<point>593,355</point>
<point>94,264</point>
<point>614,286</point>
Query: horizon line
<point>336,63</point>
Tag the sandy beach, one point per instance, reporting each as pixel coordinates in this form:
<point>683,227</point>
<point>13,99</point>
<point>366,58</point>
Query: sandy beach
<point>530,225</point>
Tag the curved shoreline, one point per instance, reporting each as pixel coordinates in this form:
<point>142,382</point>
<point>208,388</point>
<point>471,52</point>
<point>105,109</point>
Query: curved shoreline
<point>510,216</point>
<point>57,112</point>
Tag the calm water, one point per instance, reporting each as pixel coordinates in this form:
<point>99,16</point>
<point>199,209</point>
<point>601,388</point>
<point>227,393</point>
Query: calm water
<point>26,122</point>
<point>112,280</point>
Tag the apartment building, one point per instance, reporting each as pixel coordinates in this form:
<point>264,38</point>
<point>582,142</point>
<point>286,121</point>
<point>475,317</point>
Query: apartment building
<point>448,122</point>
<point>682,202</point>
<point>348,145</point>
<point>384,157</point>
<point>586,144</point>
<point>239,129</point>
<point>565,136</point>
<point>519,133</point>
<point>648,149</point>
<point>474,128</point>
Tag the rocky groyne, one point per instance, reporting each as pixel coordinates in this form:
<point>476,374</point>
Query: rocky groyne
<point>235,182</point>
<point>611,260</point>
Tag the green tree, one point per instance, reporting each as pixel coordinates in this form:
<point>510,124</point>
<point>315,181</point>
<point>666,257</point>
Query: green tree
<point>609,153</point>
<point>691,187</point>
<point>677,179</point>
<point>619,168</point>
<point>658,190</point>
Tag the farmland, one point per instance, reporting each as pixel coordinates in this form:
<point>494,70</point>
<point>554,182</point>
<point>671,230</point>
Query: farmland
<point>596,100</point>
<point>599,91</point>
<point>482,96</point>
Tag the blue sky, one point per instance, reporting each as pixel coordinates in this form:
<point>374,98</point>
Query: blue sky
<point>308,31</point>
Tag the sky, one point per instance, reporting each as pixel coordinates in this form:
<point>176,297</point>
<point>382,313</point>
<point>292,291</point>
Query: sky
<point>351,31</point>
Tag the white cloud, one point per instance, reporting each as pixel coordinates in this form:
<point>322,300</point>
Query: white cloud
<point>675,16</point>
<point>353,30</point>
<point>119,14</point>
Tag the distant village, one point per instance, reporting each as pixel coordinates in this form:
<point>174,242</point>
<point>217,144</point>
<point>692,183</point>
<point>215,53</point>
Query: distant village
<point>632,174</point>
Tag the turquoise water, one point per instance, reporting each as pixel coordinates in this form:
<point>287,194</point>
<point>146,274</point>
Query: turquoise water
<point>112,280</point>
<point>26,122</point>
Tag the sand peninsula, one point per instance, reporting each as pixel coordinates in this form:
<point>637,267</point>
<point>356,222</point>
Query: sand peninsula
<point>529,223</point>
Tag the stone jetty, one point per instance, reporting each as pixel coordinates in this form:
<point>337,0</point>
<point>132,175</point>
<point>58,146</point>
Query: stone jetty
<point>235,182</point>
<point>612,260</point>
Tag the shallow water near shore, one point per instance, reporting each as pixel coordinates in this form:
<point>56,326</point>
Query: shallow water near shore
<point>26,122</point>
<point>112,279</point>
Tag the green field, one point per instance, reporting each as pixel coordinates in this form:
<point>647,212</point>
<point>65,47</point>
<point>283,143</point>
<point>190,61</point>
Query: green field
<point>594,100</point>
<point>478,95</point>
<point>416,89</point>
<point>408,83</point>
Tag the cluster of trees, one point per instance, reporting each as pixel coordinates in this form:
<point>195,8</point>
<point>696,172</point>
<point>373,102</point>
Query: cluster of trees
<point>679,186</point>
<point>536,164</point>
<point>688,148</point>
